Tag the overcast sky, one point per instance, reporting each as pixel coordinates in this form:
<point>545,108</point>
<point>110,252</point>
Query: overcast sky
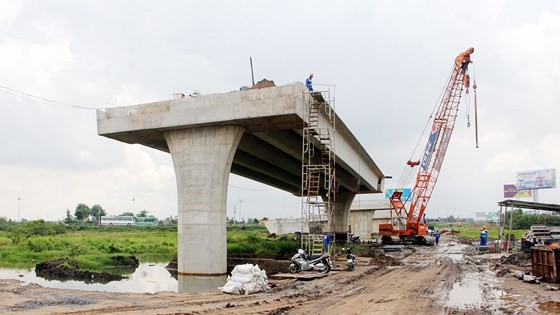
<point>389,61</point>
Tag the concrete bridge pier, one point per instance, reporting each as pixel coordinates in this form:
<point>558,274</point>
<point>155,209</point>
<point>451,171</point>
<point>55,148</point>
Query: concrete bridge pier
<point>202,158</point>
<point>342,210</point>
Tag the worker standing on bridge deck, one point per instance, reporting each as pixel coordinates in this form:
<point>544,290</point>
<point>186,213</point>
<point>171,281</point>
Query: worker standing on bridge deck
<point>309,83</point>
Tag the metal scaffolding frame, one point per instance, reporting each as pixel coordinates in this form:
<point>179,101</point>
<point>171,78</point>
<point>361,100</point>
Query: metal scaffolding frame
<point>318,188</point>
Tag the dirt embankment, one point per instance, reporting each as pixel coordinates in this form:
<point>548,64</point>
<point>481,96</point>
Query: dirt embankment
<point>68,269</point>
<point>446,279</point>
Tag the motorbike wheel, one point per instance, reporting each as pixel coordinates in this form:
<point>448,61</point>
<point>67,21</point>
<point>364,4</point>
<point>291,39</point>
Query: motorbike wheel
<point>294,269</point>
<point>326,268</point>
<point>351,267</point>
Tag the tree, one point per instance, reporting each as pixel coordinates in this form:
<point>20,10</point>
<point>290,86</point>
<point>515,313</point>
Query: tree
<point>69,217</point>
<point>82,212</point>
<point>127,213</point>
<point>143,213</point>
<point>97,212</point>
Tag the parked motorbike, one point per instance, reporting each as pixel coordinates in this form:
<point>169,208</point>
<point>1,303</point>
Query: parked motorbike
<point>301,262</point>
<point>350,258</point>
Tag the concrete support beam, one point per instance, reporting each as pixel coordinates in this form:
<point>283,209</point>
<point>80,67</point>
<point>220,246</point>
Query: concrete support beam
<point>202,158</point>
<point>342,206</point>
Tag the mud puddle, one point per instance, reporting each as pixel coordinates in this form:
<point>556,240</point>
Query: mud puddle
<point>454,251</point>
<point>148,277</point>
<point>471,291</point>
<point>511,303</point>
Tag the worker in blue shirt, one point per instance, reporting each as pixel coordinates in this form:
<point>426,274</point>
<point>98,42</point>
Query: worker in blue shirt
<point>483,236</point>
<point>308,82</point>
<point>327,241</point>
<point>436,236</point>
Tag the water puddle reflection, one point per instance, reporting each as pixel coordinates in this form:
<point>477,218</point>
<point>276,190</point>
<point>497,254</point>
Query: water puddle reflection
<point>200,284</point>
<point>147,278</point>
<point>464,293</point>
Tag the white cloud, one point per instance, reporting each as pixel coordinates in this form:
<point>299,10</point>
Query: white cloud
<point>10,10</point>
<point>508,161</point>
<point>388,60</point>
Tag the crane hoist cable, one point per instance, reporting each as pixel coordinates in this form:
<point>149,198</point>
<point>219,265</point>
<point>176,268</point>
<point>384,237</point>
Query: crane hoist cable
<point>475,109</point>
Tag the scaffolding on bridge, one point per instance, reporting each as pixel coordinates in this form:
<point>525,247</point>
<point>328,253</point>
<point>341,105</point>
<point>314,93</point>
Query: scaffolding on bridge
<point>318,188</point>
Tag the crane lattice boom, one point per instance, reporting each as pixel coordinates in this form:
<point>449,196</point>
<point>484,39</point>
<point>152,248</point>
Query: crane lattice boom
<point>434,153</point>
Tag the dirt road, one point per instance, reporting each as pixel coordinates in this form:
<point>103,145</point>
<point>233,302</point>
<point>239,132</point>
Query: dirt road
<point>448,279</point>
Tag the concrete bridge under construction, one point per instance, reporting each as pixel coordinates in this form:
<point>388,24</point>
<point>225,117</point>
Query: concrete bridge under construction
<point>255,133</point>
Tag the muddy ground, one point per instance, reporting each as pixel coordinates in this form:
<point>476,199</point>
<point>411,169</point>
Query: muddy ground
<point>448,279</point>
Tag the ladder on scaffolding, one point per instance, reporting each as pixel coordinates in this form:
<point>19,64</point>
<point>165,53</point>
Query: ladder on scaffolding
<point>318,171</point>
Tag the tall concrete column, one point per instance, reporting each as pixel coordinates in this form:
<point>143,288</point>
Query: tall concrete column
<point>202,158</point>
<point>342,210</point>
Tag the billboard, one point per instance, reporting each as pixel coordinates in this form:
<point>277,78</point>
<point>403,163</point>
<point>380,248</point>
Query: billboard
<point>429,147</point>
<point>510,191</point>
<point>537,179</point>
<point>405,196</point>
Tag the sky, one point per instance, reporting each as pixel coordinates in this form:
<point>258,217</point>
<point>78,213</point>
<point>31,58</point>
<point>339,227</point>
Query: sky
<point>389,61</point>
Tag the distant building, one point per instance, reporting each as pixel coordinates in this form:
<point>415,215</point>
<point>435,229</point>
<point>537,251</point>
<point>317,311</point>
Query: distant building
<point>285,226</point>
<point>364,220</point>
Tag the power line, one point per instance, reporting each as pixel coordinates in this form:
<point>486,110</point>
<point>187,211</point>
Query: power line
<point>265,189</point>
<point>38,99</point>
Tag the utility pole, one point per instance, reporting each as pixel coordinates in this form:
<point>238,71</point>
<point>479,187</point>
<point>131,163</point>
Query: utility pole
<point>133,204</point>
<point>18,208</point>
<point>240,201</point>
<point>252,75</point>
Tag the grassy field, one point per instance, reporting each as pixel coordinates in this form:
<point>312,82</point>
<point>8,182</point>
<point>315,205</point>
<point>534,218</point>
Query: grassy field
<point>472,231</point>
<point>92,248</point>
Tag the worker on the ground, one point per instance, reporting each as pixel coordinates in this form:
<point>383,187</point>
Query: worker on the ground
<point>326,242</point>
<point>309,83</point>
<point>437,235</point>
<point>483,236</point>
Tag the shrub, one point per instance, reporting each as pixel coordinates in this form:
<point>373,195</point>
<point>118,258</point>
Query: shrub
<point>25,230</point>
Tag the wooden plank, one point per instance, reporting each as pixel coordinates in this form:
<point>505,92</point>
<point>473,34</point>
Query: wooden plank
<point>298,276</point>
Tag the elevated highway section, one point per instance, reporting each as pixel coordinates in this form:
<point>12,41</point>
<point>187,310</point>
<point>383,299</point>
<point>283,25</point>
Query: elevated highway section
<point>253,133</point>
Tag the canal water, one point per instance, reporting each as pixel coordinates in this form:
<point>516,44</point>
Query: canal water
<point>147,278</point>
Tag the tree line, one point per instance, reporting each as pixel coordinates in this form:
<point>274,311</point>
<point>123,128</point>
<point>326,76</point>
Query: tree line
<point>523,221</point>
<point>83,213</point>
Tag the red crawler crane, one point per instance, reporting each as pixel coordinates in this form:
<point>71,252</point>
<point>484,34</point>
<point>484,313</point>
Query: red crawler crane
<point>432,158</point>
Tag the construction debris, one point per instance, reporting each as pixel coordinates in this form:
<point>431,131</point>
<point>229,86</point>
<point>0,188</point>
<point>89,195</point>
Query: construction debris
<point>264,83</point>
<point>246,279</point>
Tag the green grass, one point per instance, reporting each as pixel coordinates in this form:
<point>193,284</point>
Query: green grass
<point>254,241</point>
<point>92,248</point>
<point>472,231</point>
